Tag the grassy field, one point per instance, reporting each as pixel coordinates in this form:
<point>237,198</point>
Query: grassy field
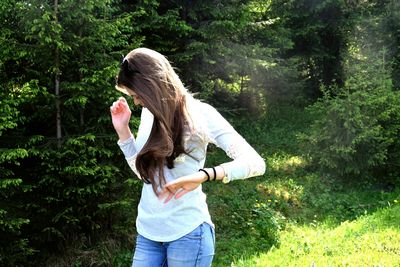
<point>294,217</point>
<point>371,240</point>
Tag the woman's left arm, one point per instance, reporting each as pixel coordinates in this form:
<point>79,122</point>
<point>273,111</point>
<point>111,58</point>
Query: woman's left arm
<point>246,162</point>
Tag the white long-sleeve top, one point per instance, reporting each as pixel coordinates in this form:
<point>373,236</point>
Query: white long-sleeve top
<point>164,222</point>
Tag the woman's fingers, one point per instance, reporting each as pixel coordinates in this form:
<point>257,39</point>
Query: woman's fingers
<point>114,104</point>
<point>165,193</point>
<point>172,185</point>
<point>169,191</point>
<point>113,108</point>
<point>169,197</point>
<point>181,193</point>
<point>119,105</point>
<point>178,188</point>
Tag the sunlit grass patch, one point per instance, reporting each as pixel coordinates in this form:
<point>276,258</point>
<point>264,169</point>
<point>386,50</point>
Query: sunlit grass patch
<point>371,240</point>
<point>285,163</point>
<point>282,195</point>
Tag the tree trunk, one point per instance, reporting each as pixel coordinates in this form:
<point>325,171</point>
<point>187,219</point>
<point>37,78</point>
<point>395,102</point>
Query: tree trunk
<point>81,108</point>
<point>57,82</point>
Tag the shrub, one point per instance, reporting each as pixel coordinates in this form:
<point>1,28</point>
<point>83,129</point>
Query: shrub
<point>51,195</point>
<point>356,132</point>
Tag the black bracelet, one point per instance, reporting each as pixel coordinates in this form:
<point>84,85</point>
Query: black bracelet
<point>215,174</point>
<point>208,176</point>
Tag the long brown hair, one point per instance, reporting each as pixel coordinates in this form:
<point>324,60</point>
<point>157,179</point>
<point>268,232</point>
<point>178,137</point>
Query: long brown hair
<point>150,75</point>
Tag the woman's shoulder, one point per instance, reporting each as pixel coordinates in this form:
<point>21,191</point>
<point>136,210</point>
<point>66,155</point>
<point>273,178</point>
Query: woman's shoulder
<point>199,107</point>
<point>199,116</point>
<point>146,114</point>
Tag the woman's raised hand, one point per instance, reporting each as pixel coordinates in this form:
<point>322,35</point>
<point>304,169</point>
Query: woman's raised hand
<point>120,115</point>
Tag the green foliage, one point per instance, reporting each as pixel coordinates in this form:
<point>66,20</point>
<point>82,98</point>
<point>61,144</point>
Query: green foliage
<point>107,251</point>
<point>356,127</point>
<point>14,245</point>
<point>320,219</point>
<point>242,55</point>
<point>76,189</point>
<point>264,226</point>
<point>356,134</point>
<point>254,212</point>
<point>54,192</point>
<point>319,31</point>
<point>240,218</point>
<point>228,52</point>
<point>305,204</point>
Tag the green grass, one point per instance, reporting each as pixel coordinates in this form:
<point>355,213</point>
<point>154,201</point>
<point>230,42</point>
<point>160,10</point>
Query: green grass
<point>293,216</point>
<point>371,240</point>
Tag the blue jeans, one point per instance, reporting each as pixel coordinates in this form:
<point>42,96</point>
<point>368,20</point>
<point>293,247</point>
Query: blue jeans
<point>195,249</point>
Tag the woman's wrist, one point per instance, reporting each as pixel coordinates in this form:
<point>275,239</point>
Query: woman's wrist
<point>124,134</point>
<point>205,176</point>
<point>212,174</point>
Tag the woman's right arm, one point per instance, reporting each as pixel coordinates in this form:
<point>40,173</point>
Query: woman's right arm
<point>120,115</point>
<point>130,146</point>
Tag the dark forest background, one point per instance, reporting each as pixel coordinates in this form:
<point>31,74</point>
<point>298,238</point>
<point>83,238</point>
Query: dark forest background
<point>63,179</point>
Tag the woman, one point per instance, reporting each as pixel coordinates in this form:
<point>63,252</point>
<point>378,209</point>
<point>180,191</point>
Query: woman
<point>168,154</point>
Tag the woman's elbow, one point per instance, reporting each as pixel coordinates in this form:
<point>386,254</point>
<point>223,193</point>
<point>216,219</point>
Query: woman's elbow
<point>262,165</point>
<point>258,166</point>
